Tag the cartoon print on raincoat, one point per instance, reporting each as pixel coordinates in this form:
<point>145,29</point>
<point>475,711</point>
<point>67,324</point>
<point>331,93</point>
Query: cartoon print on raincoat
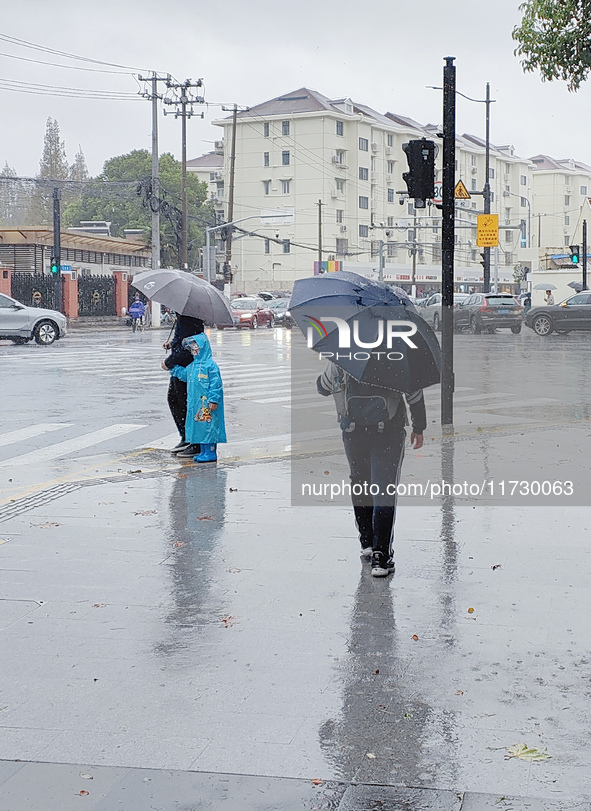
<point>204,386</point>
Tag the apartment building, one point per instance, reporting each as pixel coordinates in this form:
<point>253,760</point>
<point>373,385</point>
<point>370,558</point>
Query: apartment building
<point>342,162</point>
<point>561,188</point>
<point>209,169</point>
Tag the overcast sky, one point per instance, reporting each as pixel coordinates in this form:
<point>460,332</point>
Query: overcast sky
<point>247,51</point>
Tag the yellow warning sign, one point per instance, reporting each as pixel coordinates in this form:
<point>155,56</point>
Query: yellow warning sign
<point>461,192</point>
<point>487,230</point>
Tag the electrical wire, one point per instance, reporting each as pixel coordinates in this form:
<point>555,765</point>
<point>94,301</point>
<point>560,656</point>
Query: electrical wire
<point>66,67</point>
<point>25,44</point>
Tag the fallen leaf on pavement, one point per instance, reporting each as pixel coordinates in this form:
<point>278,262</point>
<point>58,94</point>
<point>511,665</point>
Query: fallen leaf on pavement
<point>99,605</point>
<point>496,566</point>
<point>83,793</point>
<point>145,512</point>
<point>234,570</point>
<point>227,622</point>
<point>524,752</point>
<point>470,611</point>
<point>86,776</point>
<point>317,781</point>
<point>415,638</point>
<point>46,524</point>
<point>205,518</point>
<point>179,544</point>
<point>233,489</point>
<point>459,692</point>
<point>4,540</point>
<point>134,471</point>
<point>370,755</point>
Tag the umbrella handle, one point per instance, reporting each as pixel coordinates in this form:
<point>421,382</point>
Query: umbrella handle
<point>171,329</point>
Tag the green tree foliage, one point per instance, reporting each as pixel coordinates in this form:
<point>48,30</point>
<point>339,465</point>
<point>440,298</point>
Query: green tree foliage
<point>52,166</point>
<point>118,202</point>
<point>78,170</point>
<point>555,38</point>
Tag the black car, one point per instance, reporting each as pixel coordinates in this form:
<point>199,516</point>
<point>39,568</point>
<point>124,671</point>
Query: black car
<point>281,315</point>
<point>488,311</point>
<point>572,314</point>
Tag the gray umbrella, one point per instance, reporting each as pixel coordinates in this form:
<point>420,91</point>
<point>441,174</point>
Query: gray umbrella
<point>576,286</point>
<point>545,286</point>
<point>185,294</point>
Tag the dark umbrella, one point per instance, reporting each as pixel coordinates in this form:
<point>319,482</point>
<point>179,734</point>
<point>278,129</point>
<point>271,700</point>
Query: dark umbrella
<point>186,295</point>
<point>405,357</point>
<point>576,286</point>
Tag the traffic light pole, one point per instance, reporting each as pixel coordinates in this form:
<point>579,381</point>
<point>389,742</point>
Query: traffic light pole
<point>584,254</point>
<point>486,252</point>
<point>447,241</point>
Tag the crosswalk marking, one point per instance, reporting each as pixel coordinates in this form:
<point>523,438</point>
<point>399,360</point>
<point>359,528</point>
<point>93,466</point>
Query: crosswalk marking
<point>33,430</point>
<point>71,445</point>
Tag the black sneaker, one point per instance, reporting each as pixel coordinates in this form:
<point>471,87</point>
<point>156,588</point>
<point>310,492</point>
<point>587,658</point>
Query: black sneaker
<point>180,447</point>
<point>381,566</point>
<point>188,452</point>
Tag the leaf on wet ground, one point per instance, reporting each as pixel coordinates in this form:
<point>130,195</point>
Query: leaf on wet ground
<point>178,544</point>
<point>86,776</point>
<point>82,793</point>
<point>47,524</point>
<point>145,512</point>
<point>205,518</point>
<point>234,570</point>
<point>370,755</point>
<point>317,781</point>
<point>525,752</point>
<point>99,605</point>
<point>415,638</point>
<point>495,567</point>
<point>470,610</point>
<point>4,540</point>
<point>228,621</point>
<point>233,489</point>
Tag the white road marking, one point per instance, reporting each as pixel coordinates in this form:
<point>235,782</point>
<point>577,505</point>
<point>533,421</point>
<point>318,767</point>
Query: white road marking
<point>33,430</point>
<point>71,445</point>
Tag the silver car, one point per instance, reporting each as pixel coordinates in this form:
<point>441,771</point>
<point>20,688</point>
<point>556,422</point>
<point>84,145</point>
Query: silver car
<point>21,324</point>
<point>430,309</point>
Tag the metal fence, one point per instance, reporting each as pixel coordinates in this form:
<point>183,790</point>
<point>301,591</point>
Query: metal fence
<point>96,295</point>
<point>37,290</point>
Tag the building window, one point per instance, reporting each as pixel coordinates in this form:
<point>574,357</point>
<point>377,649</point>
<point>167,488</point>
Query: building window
<point>340,157</point>
<point>212,175</point>
<point>285,127</point>
<point>523,202</point>
<point>342,247</point>
<point>567,199</point>
<point>267,186</point>
<point>473,160</point>
<point>286,246</point>
<point>508,236</point>
<point>473,184</point>
<point>566,219</point>
<point>390,167</point>
<point>391,197</point>
<point>285,184</point>
<point>340,184</point>
<point>523,180</point>
<point>363,173</point>
<point>285,158</point>
<point>364,144</point>
<point>410,236</point>
<point>391,249</point>
<point>267,246</point>
<point>584,191</point>
<point>566,240</point>
<point>266,129</point>
<point>390,139</point>
<point>390,222</point>
<point>339,213</point>
<point>364,230</point>
<point>340,128</point>
<point>491,173</point>
<point>364,202</point>
<point>265,158</point>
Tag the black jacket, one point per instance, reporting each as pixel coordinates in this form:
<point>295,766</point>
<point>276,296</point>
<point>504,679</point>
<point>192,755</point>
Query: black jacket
<point>186,326</point>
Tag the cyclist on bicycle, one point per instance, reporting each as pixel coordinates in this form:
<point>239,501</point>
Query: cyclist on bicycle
<point>137,310</point>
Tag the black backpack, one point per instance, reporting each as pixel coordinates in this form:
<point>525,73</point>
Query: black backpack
<point>367,405</point>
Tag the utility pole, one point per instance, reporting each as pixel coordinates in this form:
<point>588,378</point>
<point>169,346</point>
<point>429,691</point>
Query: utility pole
<point>184,101</point>
<point>413,285</point>
<point>320,204</point>
<point>584,254</point>
<point>228,258</point>
<point>57,246</point>
<point>447,241</point>
<point>486,257</point>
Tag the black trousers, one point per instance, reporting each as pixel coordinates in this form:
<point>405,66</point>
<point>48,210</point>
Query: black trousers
<point>375,459</point>
<point>177,402</point>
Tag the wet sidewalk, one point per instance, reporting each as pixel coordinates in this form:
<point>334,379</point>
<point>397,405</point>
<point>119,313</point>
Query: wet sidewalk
<point>194,625</point>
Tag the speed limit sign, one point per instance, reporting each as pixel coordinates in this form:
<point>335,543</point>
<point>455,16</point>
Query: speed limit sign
<point>438,199</point>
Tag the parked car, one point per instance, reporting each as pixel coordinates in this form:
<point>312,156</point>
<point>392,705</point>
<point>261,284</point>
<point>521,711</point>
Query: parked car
<point>20,323</point>
<point>488,311</point>
<point>281,315</point>
<point>250,312</point>
<point>430,308</point>
<point>572,314</point>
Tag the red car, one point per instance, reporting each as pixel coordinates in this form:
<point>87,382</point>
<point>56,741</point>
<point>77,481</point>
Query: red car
<point>251,313</point>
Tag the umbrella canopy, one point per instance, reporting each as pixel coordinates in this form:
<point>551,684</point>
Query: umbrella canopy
<point>363,341</point>
<point>576,286</point>
<point>185,294</point>
<point>545,286</point>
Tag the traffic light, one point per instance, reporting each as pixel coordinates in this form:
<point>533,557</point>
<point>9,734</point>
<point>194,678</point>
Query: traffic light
<point>420,180</point>
<point>54,266</point>
<point>483,260</point>
<point>574,254</point>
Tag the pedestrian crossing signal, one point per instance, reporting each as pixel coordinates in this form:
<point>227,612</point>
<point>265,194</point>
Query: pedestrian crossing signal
<point>574,254</point>
<point>55,266</point>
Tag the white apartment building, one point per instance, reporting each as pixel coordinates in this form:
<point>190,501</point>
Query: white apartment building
<point>209,169</point>
<point>301,149</point>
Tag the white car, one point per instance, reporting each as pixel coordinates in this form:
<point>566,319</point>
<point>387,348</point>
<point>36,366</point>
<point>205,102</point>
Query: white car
<point>430,308</point>
<point>20,323</point>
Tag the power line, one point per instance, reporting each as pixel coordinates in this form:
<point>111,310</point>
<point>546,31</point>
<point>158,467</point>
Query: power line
<point>25,44</point>
<point>66,67</point>
<point>78,93</point>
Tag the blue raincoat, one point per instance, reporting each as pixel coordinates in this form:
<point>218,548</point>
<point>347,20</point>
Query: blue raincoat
<point>204,386</point>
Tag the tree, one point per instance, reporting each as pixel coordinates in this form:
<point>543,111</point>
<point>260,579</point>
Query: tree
<point>78,170</point>
<point>118,195</point>
<point>52,166</point>
<point>555,38</point>
<point>9,194</point>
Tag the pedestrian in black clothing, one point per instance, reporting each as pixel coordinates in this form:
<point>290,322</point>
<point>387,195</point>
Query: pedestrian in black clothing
<point>185,326</point>
<point>373,422</point>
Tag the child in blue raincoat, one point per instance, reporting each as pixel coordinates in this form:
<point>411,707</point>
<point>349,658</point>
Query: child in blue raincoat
<point>205,424</point>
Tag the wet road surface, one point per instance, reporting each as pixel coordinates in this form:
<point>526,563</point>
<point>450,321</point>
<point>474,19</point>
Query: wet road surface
<point>187,621</point>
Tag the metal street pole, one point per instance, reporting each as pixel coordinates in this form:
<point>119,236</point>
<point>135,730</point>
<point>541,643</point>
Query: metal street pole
<point>320,236</point>
<point>584,254</point>
<point>155,207</point>
<point>486,257</point>
<point>447,241</point>
<point>207,257</point>
<point>228,259</point>
<point>184,249</point>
